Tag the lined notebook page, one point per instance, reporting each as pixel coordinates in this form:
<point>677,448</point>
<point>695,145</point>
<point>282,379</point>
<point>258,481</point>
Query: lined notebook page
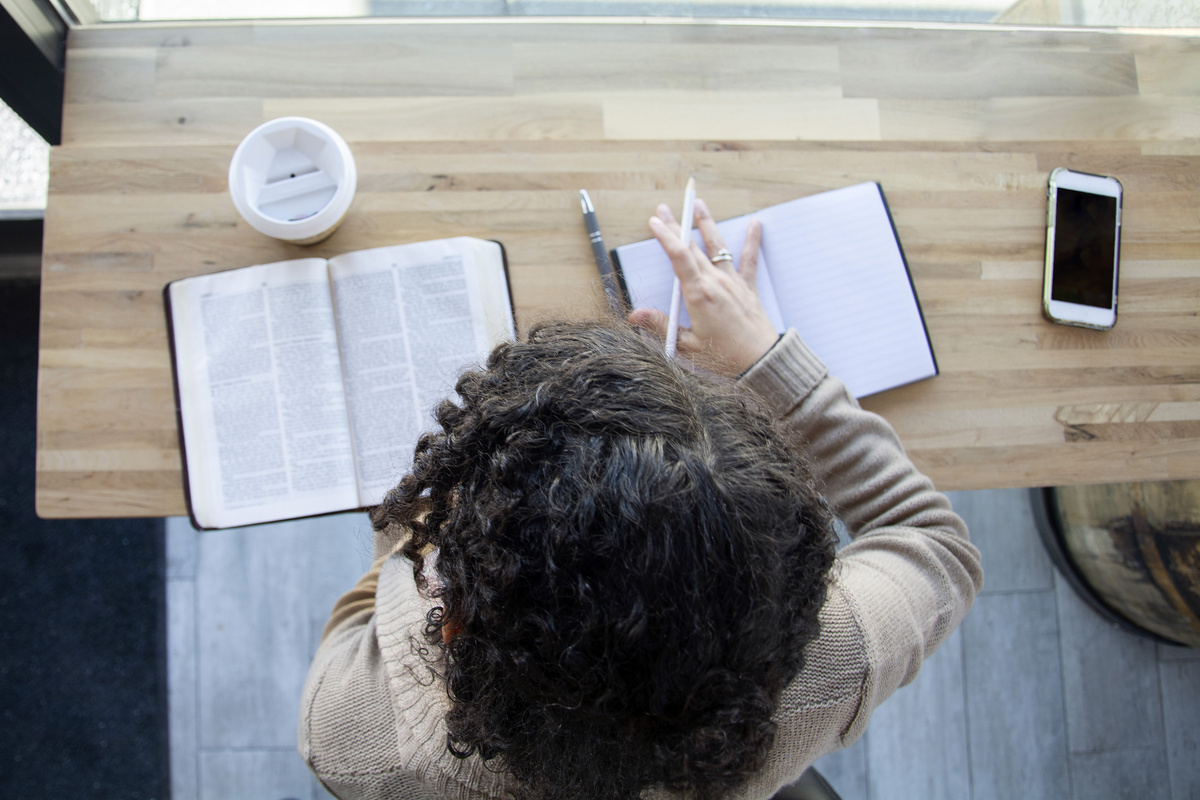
<point>839,279</point>
<point>842,284</point>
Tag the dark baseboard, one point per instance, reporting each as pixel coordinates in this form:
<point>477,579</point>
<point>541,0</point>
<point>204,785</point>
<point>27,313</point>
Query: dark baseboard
<point>20,245</point>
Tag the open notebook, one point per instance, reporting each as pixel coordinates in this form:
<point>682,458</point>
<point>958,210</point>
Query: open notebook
<point>832,268</point>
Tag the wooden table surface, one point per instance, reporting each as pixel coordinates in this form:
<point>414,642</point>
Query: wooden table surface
<point>490,128</point>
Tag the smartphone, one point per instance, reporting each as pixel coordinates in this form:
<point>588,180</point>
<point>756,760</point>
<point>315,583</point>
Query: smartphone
<point>1083,249</point>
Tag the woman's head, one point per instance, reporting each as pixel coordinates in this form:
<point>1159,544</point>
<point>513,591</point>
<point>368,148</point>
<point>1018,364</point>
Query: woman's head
<point>631,557</point>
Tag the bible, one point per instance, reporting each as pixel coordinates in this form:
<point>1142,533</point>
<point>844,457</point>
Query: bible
<point>302,386</point>
<point>830,266</point>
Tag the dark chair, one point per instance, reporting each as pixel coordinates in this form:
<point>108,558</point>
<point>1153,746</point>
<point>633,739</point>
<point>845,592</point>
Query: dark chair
<point>809,786</point>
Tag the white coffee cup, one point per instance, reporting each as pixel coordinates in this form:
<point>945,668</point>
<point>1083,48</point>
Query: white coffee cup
<point>293,178</point>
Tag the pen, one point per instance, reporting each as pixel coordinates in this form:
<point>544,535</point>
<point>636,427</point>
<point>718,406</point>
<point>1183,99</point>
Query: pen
<point>685,233</point>
<point>607,277</point>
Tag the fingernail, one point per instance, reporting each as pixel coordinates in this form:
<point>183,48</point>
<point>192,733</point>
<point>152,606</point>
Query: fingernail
<point>664,210</point>
<point>655,222</point>
<point>701,208</point>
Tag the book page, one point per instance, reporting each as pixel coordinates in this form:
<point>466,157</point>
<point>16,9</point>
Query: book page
<point>411,318</point>
<point>264,415</point>
<point>649,276</point>
<point>843,285</point>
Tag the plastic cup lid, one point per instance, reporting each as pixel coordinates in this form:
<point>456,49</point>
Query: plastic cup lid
<point>292,178</point>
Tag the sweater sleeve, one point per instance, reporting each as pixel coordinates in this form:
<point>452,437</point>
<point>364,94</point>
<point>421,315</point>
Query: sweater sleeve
<point>346,716</point>
<point>355,607</point>
<point>896,592</point>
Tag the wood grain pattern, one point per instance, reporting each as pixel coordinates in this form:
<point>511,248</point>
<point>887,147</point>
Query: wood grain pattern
<point>1136,721</point>
<point>490,129</point>
<point>182,695</point>
<point>1181,695</point>
<point>258,772</point>
<point>228,668</point>
<point>1015,707</point>
<point>917,745</point>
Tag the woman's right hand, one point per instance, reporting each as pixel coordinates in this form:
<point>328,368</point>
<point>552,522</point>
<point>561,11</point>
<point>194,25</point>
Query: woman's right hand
<point>729,324</point>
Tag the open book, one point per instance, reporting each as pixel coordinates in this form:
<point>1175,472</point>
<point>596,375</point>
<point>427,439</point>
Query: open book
<point>303,385</point>
<point>831,267</point>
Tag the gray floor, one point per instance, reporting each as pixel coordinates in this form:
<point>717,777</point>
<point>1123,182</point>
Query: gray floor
<point>245,609</point>
<point>1034,697</point>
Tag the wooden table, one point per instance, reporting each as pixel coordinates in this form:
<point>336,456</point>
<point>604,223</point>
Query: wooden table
<point>490,128</point>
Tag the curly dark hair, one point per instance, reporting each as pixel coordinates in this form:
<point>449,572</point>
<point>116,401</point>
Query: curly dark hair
<point>631,557</point>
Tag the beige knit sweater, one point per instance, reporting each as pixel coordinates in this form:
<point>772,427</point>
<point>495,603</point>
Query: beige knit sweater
<point>371,722</point>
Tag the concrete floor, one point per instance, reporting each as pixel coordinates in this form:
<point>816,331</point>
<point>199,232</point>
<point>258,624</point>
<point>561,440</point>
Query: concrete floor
<point>1034,697</point>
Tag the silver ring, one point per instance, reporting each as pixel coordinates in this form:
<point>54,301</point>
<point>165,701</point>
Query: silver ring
<point>722,255</point>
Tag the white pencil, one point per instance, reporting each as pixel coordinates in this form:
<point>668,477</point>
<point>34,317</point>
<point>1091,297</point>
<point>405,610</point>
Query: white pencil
<point>685,233</point>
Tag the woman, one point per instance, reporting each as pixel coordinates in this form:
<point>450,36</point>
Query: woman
<point>611,574</point>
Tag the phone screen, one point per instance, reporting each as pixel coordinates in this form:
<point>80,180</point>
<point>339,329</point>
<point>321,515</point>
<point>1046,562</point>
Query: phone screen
<point>1085,233</point>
